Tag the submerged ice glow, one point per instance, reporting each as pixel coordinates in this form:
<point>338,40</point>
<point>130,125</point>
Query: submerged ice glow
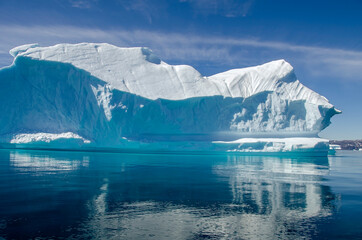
<point>101,96</point>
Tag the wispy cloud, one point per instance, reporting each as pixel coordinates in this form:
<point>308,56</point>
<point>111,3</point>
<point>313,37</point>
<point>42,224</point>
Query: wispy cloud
<point>215,51</point>
<point>149,9</point>
<point>83,4</point>
<point>227,8</point>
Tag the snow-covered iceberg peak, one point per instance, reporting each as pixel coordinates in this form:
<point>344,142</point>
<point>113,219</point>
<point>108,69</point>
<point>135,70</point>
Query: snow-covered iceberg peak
<point>141,72</point>
<point>124,97</point>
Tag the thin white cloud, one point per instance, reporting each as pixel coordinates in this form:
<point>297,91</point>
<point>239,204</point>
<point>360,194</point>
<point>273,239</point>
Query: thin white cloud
<point>83,4</point>
<point>191,48</point>
<point>227,8</point>
<point>79,4</point>
<point>149,9</point>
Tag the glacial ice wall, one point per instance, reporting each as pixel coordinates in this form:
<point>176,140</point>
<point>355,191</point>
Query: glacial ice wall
<point>120,97</point>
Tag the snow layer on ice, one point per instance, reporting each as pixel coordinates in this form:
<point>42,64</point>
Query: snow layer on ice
<point>275,144</point>
<point>45,137</point>
<point>140,71</point>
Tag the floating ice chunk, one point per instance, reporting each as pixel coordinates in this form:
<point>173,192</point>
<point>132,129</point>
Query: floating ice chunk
<point>45,137</point>
<point>276,144</point>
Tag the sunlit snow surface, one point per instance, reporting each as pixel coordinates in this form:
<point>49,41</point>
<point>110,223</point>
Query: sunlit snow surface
<point>45,137</point>
<point>102,96</point>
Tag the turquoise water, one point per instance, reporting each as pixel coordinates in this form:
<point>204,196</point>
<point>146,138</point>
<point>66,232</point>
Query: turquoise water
<point>86,195</point>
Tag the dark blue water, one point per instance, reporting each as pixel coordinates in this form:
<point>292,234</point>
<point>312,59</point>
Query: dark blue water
<point>76,195</point>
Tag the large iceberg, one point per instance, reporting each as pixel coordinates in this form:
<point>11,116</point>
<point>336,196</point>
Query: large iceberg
<point>99,96</point>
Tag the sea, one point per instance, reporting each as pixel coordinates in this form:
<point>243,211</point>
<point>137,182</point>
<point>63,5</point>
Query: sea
<point>99,195</point>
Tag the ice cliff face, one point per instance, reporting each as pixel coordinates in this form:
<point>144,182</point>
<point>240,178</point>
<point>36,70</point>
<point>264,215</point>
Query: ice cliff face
<point>116,97</point>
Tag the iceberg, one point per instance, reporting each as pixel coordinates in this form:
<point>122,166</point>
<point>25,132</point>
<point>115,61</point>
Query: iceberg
<point>99,96</point>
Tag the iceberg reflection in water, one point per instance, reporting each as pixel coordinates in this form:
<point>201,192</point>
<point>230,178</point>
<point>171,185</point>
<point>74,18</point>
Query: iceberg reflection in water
<point>130,196</point>
<point>44,163</point>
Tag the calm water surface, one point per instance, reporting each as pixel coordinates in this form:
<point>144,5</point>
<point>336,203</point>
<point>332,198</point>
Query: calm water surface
<point>76,195</point>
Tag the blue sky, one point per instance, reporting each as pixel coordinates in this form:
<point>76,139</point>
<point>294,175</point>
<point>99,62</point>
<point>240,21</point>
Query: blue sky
<point>321,39</point>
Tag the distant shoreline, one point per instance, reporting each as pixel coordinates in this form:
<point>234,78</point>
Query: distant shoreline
<point>348,144</point>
